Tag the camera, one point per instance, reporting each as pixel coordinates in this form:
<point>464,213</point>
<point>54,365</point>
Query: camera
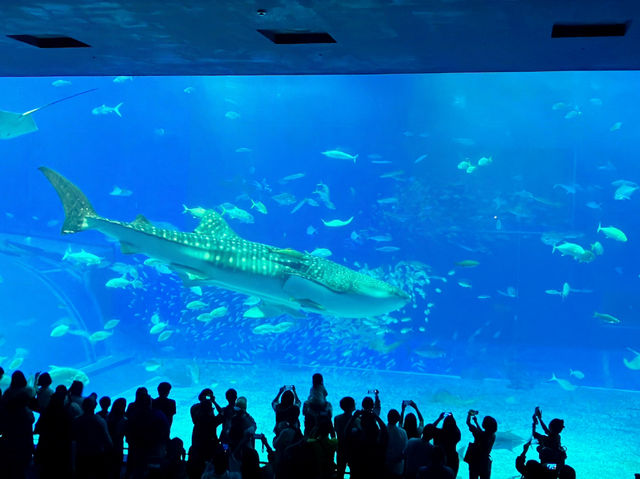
<point>551,467</point>
<point>373,391</point>
<point>406,402</point>
<point>260,437</point>
<point>473,412</point>
<point>446,414</point>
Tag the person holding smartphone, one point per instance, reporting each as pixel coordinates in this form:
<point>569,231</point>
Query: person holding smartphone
<point>410,424</point>
<point>447,438</point>
<point>478,452</point>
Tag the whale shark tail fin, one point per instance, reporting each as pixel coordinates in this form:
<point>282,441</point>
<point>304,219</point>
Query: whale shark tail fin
<point>77,207</point>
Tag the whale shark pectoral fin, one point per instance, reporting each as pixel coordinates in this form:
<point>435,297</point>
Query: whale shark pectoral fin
<point>128,248</point>
<point>308,293</point>
<point>189,279</point>
<point>271,310</point>
<point>309,304</point>
<point>189,276</point>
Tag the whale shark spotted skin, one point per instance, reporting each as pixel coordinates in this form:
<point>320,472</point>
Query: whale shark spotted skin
<point>286,280</point>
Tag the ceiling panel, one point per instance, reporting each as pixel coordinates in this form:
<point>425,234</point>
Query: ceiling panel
<point>222,37</point>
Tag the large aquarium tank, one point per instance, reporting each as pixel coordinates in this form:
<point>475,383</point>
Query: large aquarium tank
<point>466,241</point>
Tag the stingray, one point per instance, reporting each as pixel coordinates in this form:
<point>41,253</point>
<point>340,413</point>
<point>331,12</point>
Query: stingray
<point>446,397</point>
<point>18,124</point>
<point>508,440</point>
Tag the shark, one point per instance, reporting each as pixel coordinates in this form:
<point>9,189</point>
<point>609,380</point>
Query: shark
<point>286,280</point>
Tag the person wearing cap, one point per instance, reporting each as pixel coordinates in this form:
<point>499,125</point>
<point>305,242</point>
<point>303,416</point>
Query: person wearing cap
<point>550,445</point>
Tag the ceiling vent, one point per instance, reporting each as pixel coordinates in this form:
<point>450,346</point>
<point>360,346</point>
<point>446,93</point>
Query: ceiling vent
<point>564,30</point>
<point>288,37</point>
<point>49,41</point>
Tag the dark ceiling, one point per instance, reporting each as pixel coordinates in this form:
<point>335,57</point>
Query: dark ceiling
<point>221,37</point>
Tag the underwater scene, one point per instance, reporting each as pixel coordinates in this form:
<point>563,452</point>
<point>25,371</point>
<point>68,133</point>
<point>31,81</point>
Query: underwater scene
<point>460,240</point>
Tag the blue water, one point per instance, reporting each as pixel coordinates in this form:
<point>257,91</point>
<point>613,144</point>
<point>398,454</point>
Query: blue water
<point>173,147</point>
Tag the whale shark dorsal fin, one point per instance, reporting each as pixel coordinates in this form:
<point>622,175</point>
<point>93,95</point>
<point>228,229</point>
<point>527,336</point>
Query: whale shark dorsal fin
<point>213,224</point>
<point>141,220</point>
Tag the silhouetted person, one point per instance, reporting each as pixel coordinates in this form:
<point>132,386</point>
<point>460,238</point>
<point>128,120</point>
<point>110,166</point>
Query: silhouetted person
<point>1,376</point>
<point>394,463</point>
<point>75,398</point>
<point>92,443</point>
<point>218,468</point>
<point>419,452</point>
<point>348,406</point>
<point>53,454</point>
<point>147,435</point>
<point>163,403</point>
<point>204,438</point>
<point>286,405</point>
<point>227,413</point>
<point>16,422</point>
<point>322,449</point>
<point>412,425</point>
<point>117,426</point>
<point>437,469</point>
<point>551,441</point>
<point>566,472</point>
<point>286,436</point>
<point>297,461</point>
<point>175,465</point>
<point>375,407</point>
<point>448,438</point>
<point>316,404</point>
<point>532,469</point>
<point>139,403</point>
<point>367,440</point>
<point>243,427</point>
<point>43,393</point>
<point>478,451</point>
<point>105,404</point>
<point>250,467</point>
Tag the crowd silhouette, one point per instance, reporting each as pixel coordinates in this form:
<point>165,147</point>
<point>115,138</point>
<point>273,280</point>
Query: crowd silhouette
<point>76,442</point>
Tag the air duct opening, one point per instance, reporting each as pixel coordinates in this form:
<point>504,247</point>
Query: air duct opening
<point>285,37</point>
<point>49,41</point>
<point>564,30</point>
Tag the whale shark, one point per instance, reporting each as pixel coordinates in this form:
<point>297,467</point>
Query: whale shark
<point>286,280</point>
